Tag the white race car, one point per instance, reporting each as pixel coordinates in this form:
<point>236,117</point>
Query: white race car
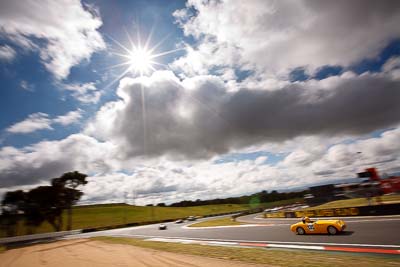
<point>162,227</point>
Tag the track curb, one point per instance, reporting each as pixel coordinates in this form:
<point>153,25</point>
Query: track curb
<point>282,246</point>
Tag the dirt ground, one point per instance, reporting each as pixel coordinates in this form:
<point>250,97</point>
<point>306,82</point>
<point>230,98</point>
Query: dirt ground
<point>85,252</point>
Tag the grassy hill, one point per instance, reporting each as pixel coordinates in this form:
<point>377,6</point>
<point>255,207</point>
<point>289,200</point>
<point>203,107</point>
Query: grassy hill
<point>106,215</point>
<point>357,202</point>
<point>94,216</point>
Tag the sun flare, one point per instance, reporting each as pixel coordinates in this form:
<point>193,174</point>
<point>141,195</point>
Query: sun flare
<point>140,60</point>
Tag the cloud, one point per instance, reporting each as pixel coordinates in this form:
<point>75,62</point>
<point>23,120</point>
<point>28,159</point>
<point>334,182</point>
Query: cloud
<point>84,92</point>
<point>391,64</point>
<point>392,68</point>
<point>7,53</point>
<point>27,86</point>
<point>166,181</point>
<point>200,117</point>
<point>279,36</point>
<point>69,118</point>
<point>34,122</point>
<point>47,159</point>
<point>41,121</point>
<point>65,32</point>
<point>112,178</point>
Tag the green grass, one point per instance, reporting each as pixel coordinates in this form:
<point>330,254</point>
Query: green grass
<point>216,222</point>
<point>356,202</point>
<point>264,256</point>
<point>103,216</point>
<point>279,203</point>
<point>108,215</point>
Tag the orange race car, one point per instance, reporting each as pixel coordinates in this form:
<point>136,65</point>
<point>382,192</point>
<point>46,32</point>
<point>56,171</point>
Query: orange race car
<point>307,226</point>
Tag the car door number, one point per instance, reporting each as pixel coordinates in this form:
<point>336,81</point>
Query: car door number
<point>311,226</point>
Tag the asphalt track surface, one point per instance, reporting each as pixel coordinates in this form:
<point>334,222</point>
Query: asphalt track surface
<point>374,232</point>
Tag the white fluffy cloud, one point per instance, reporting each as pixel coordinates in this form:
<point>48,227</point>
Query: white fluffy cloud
<point>42,121</point>
<point>112,177</point>
<point>7,53</point>
<point>69,118</point>
<point>47,159</point>
<point>277,36</point>
<point>392,67</point>
<point>65,32</point>
<point>161,180</point>
<point>84,92</point>
<point>34,122</point>
<point>27,86</point>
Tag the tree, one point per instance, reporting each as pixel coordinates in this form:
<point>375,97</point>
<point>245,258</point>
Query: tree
<point>44,203</point>
<point>13,206</point>
<point>67,185</point>
<point>37,205</point>
<point>13,202</point>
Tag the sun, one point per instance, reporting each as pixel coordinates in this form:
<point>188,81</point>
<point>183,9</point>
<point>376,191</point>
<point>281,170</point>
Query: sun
<point>140,60</point>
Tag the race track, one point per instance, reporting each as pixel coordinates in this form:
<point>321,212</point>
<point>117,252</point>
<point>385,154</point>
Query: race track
<point>381,232</point>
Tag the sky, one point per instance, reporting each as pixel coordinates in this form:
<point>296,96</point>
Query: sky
<point>161,101</point>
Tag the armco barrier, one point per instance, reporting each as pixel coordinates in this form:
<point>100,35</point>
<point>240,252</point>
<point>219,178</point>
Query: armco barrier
<point>27,238</point>
<point>387,209</point>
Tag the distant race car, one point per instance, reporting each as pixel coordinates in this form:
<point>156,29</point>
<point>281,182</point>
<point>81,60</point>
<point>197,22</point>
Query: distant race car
<point>191,218</point>
<point>307,226</point>
<point>179,221</point>
<point>162,227</point>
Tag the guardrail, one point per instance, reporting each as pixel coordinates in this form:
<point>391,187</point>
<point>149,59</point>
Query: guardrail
<point>387,209</point>
<point>26,238</point>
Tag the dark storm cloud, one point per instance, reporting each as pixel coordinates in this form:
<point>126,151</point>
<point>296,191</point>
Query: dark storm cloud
<point>357,106</point>
<point>157,188</point>
<point>26,174</point>
<point>207,119</point>
<point>324,173</point>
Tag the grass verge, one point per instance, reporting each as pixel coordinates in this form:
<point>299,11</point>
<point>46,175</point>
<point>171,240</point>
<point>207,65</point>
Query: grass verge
<point>217,222</point>
<point>2,249</point>
<point>357,202</point>
<point>263,256</point>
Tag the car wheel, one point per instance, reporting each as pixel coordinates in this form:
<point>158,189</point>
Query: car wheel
<point>332,230</point>
<point>300,231</point>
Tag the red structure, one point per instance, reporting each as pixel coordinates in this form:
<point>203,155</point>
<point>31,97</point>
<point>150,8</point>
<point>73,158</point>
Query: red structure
<point>388,185</point>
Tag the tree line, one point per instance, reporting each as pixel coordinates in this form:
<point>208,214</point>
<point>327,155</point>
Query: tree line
<point>260,197</point>
<point>43,203</point>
